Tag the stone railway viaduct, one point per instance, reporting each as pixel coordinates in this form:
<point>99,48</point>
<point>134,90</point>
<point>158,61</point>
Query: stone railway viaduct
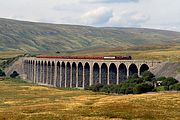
<point>81,73</point>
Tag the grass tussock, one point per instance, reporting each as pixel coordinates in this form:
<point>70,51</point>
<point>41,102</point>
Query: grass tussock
<point>25,101</point>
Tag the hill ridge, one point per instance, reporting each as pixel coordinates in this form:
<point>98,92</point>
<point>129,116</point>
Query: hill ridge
<point>33,36</point>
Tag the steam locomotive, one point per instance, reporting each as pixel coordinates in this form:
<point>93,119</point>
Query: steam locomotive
<point>88,57</point>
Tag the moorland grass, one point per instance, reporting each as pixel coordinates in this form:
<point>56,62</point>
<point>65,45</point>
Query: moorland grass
<point>21,100</point>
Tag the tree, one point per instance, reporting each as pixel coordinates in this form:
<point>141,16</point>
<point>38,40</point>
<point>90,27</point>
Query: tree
<point>14,74</point>
<point>175,87</point>
<point>147,76</point>
<point>2,73</point>
<point>106,89</point>
<point>135,80</point>
<point>134,76</point>
<point>127,88</point>
<point>142,88</point>
<point>161,78</point>
<point>169,81</point>
<point>95,88</point>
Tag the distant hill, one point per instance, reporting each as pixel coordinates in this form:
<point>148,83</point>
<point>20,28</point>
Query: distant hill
<point>30,36</point>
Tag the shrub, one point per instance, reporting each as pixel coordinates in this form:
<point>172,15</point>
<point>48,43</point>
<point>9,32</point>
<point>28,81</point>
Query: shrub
<point>126,88</point>
<point>129,90</point>
<point>135,80</point>
<point>95,88</point>
<point>148,76</point>
<point>134,76</point>
<point>169,81</point>
<point>175,87</point>
<point>142,88</point>
<point>14,74</point>
<point>111,88</point>
<point>2,73</point>
<point>105,88</point>
<point>160,88</point>
<point>161,78</point>
<point>118,88</point>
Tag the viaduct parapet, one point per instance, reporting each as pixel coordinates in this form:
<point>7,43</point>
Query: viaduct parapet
<point>81,73</point>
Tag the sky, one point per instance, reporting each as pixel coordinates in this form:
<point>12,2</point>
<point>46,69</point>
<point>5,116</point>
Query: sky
<point>157,14</point>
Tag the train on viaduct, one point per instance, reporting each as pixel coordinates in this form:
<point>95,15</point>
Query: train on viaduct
<point>81,72</point>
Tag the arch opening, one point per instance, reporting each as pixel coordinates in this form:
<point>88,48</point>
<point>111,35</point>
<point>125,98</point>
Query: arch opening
<point>32,70</point>
<point>95,73</point>
<point>49,73</point>
<point>133,69</point>
<point>38,71</point>
<point>63,74</point>
<point>52,73</point>
<point>42,69</point>
<point>45,72</point>
<point>143,68</point>
<point>68,74</point>
<point>58,74</point>
<point>112,74</point>
<point>104,71</point>
<point>122,72</point>
<point>86,75</point>
<point>80,75</point>
<point>74,74</point>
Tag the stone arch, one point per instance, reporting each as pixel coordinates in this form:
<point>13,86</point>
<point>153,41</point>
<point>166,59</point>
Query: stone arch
<point>104,72</point>
<point>45,72</point>
<point>42,69</point>
<point>80,75</point>
<point>86,75</point>
<point>32,70</point>
<point>112,74</point>
<point>74,74</point>
<point>143,68</point>
<point>49,73</point>
<point>122,72</point>
<point>133,69</point>
<point>95,73</point>
<point>68,74</point>
<point>38,71</point>
<point>29,69</point>
<point>58,74</point>
<point>63,74</point>
<point>52,73</point>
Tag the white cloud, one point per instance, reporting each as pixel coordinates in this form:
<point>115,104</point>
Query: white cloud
<point>128,19</point>
<point>98,16</point>
<point>108,1</point>
<point>163,14</point>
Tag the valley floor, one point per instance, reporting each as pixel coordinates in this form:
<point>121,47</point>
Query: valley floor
<point>21,100</point>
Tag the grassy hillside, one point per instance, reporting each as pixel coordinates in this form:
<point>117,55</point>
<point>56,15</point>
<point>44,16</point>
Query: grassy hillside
<point>29,36</point>
<point>157,52</point>
<point>25,101</point>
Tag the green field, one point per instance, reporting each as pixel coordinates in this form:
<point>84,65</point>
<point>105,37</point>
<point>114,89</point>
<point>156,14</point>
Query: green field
<point>26,101</point>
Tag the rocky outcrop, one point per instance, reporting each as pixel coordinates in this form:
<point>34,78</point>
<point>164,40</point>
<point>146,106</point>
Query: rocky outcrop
<point>168,69</point>
<point>16,66</point>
